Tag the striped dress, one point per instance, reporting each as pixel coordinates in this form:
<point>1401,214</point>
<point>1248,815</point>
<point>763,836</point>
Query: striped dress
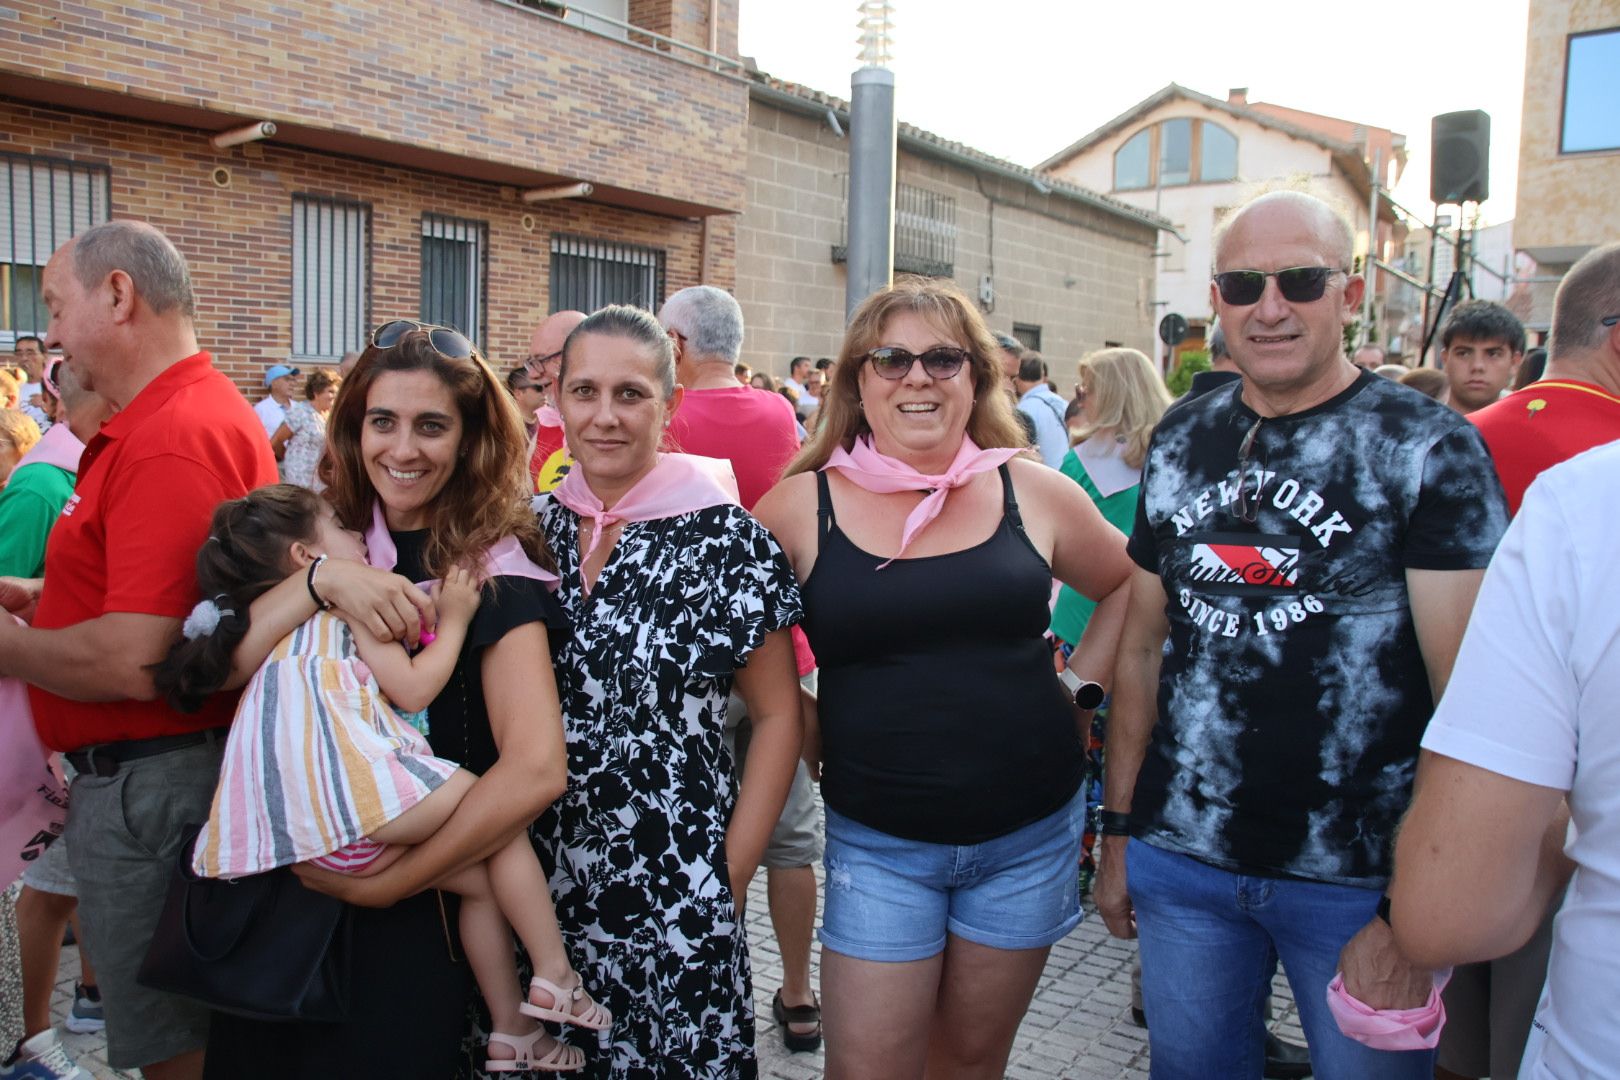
<point>316,759</point>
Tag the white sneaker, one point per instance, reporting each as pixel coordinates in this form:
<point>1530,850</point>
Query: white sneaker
<point>42,1058</point>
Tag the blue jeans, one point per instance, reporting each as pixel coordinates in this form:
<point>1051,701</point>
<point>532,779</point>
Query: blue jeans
<point>1210,940</point>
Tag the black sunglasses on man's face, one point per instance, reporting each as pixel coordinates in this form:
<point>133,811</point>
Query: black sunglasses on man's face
<point>1298,284</point>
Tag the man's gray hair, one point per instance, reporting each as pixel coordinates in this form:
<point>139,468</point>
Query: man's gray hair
<point>1218,350</point>
<point>146,255</point>
<point>1589,293</point>
<point>710,320</point>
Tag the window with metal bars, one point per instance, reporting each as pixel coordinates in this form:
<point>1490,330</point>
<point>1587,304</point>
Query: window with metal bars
<point>454,271</point>
<point>587,274</point>
<point>44,202</point>
<point>924,231</point>
<point>331,276</point>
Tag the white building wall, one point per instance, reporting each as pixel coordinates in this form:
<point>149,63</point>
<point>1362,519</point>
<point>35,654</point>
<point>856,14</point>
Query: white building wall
<point>1264,154</point>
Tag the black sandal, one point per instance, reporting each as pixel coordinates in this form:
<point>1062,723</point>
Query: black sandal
<point>797,1014</point>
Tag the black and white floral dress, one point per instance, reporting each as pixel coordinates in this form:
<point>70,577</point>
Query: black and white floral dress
<point>635,849</point>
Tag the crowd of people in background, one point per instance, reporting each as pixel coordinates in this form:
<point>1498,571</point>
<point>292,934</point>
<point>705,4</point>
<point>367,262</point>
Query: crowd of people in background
<point>545,660</point>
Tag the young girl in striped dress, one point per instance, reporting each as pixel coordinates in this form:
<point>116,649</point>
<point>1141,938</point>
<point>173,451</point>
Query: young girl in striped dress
<point>320,767</point>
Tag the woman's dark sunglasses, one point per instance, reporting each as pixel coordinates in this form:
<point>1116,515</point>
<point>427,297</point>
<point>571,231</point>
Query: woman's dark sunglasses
<point>940,362</point>
<point>448,342</point>
<point>1298,284</point>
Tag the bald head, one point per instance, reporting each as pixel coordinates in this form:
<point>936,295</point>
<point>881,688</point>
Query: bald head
<point>1297,210</point>
<point>549,336</point>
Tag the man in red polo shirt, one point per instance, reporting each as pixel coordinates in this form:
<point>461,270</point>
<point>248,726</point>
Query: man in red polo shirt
<point>1576,403</point>
<point>120,576</point>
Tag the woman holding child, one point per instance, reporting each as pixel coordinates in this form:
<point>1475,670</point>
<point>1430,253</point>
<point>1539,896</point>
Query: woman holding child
<point>426,458</point>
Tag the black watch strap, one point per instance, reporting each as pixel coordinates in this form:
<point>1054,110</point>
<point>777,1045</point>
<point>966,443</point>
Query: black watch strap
<point>1114,823</point>
<point>1383,909</point>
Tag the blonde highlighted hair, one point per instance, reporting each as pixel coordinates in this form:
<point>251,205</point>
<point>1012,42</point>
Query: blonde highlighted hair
<point>1125,396</point>
<point>944,306</point>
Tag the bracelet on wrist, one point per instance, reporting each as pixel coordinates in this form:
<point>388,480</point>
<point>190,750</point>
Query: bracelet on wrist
<point>1114,823</point>
<point>309,583</point>
<point>1383,910</point>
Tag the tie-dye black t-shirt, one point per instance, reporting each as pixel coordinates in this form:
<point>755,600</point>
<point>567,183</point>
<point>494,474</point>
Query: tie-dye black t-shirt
<point>1292,695</point>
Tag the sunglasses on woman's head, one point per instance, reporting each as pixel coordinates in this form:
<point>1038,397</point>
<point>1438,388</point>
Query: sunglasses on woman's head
<point>1298,284</point>
<point>448,342</point>
<point>940,362</point>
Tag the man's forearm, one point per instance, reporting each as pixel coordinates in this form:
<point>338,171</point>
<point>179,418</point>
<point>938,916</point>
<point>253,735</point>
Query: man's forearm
<point>1131,717</point>
<point>102,659</point>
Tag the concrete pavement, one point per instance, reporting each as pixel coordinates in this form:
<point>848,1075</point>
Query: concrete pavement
<point>1078,1026</point>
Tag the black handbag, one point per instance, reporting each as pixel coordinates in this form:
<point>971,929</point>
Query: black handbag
<point>262,946</point>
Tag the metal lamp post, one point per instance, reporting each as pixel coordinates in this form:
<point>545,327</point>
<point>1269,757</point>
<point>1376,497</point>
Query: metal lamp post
<point>871,159</point>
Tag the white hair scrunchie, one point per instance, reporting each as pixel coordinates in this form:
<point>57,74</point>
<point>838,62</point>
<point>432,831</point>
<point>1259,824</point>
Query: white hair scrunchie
<point>203,620</point>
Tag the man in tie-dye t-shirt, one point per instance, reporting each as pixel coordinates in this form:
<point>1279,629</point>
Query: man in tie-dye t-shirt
<point>1309,542</point>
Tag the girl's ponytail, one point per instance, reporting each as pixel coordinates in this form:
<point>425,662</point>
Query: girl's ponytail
<point>245,555</point>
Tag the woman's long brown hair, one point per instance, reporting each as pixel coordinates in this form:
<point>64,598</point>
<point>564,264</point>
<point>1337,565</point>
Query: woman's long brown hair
<point>488,495</point>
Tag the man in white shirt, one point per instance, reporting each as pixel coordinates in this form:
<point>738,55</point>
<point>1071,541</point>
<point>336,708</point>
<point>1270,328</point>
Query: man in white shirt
<point>280,380</point>
<point>29,352</point>
<point>1519,782</point>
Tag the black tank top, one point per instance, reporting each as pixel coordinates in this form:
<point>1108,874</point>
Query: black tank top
<point>942,719</point>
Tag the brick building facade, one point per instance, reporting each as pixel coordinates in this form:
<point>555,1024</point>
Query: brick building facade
<point>1063,268</point>
<point>405,135</point>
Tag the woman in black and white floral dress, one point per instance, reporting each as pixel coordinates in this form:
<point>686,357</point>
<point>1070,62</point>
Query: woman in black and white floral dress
<point>674,591</point>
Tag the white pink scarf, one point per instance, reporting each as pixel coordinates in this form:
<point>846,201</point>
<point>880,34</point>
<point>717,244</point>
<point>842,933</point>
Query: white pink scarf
<point>505,558</point>
<point>678,484</point>
<point>866,468</point>
<point>58,446</point>
<point>548,416</point>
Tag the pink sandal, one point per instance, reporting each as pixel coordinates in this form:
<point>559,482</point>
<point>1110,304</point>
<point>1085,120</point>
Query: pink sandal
<point>594,1018</point>
<point>563,1058</point>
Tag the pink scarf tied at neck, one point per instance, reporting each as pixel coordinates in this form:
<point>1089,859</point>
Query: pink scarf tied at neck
<point>866,468</point>
<point>678,484</point>
<point>548,416</point>
<point>505,557</point>
<point>1390,1029</point>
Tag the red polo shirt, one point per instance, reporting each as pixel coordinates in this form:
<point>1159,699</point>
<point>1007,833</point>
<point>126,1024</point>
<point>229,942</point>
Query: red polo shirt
<point>127,540</point>
<point>1533,429</point>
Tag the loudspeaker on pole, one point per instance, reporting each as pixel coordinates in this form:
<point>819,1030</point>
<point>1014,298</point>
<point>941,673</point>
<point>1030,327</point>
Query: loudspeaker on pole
<point>1460,160</point>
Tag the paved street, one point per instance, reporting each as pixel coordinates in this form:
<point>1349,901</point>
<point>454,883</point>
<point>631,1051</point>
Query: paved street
<point>1078,1027</point>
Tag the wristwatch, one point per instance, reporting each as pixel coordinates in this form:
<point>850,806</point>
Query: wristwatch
<point>1113,823</point>
<point>1087,695</point>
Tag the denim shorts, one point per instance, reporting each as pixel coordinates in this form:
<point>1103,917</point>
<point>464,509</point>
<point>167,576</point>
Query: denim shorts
<point>895,900</point>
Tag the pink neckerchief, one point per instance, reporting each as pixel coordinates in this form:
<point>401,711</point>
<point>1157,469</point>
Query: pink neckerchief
<point>866,468</point>
<point>1390,1029</point>
<point>677,484</point>
<point>505,557</point>
<point>548,416</point>
<point>58,446</point>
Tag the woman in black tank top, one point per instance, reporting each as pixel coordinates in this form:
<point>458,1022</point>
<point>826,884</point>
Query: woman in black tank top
<point>950,755</point>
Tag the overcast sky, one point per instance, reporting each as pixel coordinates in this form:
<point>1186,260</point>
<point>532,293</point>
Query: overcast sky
<point>1021,79</point>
